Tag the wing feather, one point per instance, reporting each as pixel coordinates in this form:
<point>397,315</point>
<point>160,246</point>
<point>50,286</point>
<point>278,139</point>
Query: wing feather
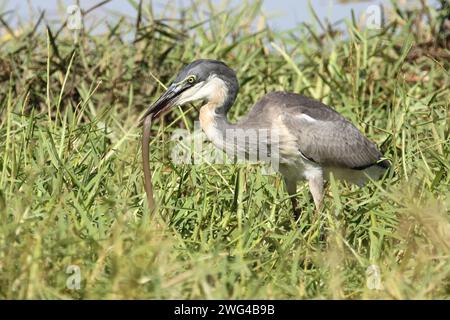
<point>322,134</point>
<point>334,141</point>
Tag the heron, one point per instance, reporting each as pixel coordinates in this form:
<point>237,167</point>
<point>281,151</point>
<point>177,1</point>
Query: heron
<point>313,140</point>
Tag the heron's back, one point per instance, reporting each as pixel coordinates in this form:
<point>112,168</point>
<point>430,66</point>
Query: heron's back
<point>313,131</point>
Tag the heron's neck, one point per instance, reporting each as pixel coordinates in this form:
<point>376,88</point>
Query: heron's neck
<point>213,115</point>
<point>214,122</point>
<point>212,119</point>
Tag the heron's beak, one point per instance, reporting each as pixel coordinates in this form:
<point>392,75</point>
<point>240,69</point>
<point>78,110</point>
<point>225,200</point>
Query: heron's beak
<point>165,102</point>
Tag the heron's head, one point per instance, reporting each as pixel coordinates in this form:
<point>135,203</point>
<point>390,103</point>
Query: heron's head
<point>203,79</point>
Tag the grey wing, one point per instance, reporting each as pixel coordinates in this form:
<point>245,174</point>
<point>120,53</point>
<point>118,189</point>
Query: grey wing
<point>334,141</point>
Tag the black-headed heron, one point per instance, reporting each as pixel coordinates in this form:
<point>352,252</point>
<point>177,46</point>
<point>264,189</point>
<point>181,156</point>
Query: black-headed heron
<point>311,140</point>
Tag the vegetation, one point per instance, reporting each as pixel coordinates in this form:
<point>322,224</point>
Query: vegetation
<point>71,186</point>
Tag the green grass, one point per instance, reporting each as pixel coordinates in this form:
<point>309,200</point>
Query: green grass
<point>71,187</point>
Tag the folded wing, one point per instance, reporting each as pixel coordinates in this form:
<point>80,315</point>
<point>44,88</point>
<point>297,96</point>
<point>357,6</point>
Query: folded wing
<point>330,139</point>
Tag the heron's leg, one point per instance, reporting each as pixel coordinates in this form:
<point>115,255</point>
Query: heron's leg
<point>316,188</point>
<point>291,187</point>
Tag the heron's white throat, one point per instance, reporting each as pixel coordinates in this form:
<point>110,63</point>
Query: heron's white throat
<point>213,90</point>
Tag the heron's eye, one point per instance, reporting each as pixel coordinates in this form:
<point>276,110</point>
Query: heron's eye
<point>190,79</point>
